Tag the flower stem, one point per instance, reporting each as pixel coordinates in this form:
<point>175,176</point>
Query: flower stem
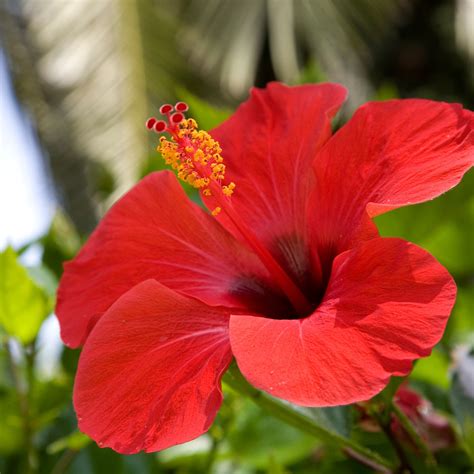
<point>297,419</point>
<point>414,436</point>
<point>64,461</point>
<point>383,413</point>
<point>384,423</point>
<point>211,456</point>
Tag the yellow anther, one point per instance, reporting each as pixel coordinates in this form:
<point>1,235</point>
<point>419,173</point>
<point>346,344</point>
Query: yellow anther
<point>229,189</point>
<point>196,157</point>
<point>218,168</point>
<point>216,211</point>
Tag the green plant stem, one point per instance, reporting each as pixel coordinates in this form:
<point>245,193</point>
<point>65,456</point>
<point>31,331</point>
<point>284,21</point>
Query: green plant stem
<point>64,461</point>
<point>211,457</point>
<point>30,358</point>
<point>23,395</point>
<point>383,413</point>
<point>293,417</point>
<point>414,436</point>
<point>384,423</point>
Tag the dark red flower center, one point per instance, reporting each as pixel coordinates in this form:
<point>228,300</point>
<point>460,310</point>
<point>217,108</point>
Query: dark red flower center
<point>264,298</point>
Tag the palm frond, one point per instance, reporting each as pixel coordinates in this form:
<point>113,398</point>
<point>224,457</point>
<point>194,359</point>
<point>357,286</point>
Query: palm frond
<point>87,71</point>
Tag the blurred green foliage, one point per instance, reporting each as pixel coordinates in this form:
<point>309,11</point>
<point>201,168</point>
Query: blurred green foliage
<point>23,304</point>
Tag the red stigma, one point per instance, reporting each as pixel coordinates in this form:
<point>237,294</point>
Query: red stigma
<point>174,116</point>
<point>150,122</point>
<point>160,126</point>
<point>166,109</point>
<point>181,106</point>
<point>177,117</point>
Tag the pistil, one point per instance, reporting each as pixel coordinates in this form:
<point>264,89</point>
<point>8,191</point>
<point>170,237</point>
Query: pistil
<point>286,284</point>
<point>196,157</point>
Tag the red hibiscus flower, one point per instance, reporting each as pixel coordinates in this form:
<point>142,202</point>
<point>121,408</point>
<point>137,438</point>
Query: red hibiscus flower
<point>287,273</point>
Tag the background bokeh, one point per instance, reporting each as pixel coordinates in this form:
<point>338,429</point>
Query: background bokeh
<point>78,80</point>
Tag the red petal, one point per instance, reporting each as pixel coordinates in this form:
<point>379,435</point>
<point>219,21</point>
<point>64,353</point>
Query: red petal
<point>268,147</point>
<point>390,154</point>
<point>149,374</point>
<point>152,232</point>
<point>387,304</point>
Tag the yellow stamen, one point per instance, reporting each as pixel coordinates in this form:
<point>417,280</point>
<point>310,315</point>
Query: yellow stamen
<point>229,189</point>
<point>196,157</point>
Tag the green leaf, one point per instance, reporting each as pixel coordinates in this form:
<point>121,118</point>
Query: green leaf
<point>432,369</point>
<point>75,441</point>
<point>312,73</point>
<point>297,418</point>
<point>207,116</point>
<point>460,329</point>
<point>11,427</point>
<point>61,243</point>
<point>256,436</point>
<point>386,91</point>
<point>192,453</point>
<point>338,420</point>
<point>462,398</point>
<point>49,399</point>
<point>23,304</point>
<point>274,467</point>
<point>44,278</point>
